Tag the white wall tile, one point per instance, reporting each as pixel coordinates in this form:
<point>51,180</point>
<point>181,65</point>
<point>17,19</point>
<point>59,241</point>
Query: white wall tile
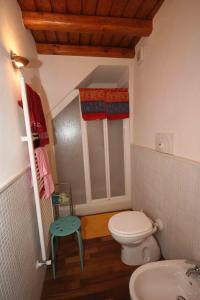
<point>19,242</point>
<point>168,187</point>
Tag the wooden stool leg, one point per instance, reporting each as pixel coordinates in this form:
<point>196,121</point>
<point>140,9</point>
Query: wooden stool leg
<point>53,257</point>
<point>80,245</point>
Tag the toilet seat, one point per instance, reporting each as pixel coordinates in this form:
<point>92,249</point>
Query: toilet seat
<point>130,223</point>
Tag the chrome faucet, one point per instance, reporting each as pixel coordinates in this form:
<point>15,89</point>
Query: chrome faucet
<point>195,271</point>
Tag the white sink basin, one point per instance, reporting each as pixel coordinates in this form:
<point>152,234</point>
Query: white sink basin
<point>164,280</point>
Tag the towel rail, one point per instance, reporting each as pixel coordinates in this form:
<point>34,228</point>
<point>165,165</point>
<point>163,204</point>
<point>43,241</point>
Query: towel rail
<point>36,188</point>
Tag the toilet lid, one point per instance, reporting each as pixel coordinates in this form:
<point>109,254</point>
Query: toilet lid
<point>130,222</point>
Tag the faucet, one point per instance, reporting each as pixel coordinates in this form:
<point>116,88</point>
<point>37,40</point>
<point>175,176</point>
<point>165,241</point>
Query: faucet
<point>195,271</point>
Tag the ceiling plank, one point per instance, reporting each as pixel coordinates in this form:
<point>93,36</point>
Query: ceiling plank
<point>147,13</point>
<point>51,36</point>
<point>117,8</point>
<point>155,9</point>
<point>89,24</point>
<point>78,50</point>
<point>96,39</point>
<point>74,38</point>
<point>126,41</point>
<point>145,8</point>
<point>28,5</point>
<point>39,36</point>
<point>74,7</point>
<point>116,40</point>
<point>131,8</point>
<point>62,37</point>
<point>89,7</point>
<point>106,39</point>
<point>103,7</point>
<point>85,38</point>
<point>44,5</point>
<point>59,6</point>
<point>128,11</point>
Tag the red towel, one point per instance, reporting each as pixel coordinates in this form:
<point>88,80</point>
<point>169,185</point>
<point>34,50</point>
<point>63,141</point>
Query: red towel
<point>37,120</point>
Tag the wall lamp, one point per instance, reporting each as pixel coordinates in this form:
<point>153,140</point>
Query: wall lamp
<point>18,61</point>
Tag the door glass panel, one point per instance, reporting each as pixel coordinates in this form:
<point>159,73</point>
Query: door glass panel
<point>96,158</point>
<point>68,150</point>
<point>116,157</point>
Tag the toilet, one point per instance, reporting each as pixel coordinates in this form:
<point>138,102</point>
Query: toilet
<point>134,231</point>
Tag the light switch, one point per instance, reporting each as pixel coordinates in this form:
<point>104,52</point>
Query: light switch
<point>164,142</point>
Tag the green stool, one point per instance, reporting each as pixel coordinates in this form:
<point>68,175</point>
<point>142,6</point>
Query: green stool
<point>63,227</point>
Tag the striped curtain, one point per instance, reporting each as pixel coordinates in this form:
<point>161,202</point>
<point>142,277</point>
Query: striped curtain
<point>112,104</point>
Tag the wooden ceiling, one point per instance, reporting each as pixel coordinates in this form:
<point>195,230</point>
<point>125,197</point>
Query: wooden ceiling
<point>107,28</point>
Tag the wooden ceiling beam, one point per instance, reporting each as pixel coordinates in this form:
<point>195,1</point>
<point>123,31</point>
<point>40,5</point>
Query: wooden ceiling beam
<point>89,24</point>
<point>76,50</point>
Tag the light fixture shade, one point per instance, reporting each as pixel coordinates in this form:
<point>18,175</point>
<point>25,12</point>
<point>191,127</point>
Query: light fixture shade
<point>18,61</point>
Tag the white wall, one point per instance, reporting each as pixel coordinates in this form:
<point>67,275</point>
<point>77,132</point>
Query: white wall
<point>124,80</point>
<point>167,187</point>
<point>61,74</point>
<point>19,247</point>
<point>13,36</point>
<point>167,99</point>
<point>167,82</point>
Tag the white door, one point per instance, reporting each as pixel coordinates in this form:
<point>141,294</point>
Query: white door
<point>106,151</point>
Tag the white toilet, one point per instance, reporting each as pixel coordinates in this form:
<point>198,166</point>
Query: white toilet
<point>134,230</point>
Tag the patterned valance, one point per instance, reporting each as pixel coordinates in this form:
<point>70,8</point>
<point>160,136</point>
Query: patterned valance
<point>112,104</point>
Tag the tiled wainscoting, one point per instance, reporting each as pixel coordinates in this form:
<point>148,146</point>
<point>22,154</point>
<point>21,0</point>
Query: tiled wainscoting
<point>19,242</point>
<point>168,187</point>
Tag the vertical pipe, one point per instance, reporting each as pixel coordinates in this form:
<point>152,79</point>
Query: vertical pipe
<point>33,168</point>
<point>131,100</point>
<point>107,159</point>
<point>86,161</point>
<point>127,158</point>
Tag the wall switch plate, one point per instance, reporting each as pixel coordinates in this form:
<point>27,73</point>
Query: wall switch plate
<point>164,142</point>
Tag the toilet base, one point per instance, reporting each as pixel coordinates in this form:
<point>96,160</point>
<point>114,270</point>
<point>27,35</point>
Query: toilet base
<point>142,253</point>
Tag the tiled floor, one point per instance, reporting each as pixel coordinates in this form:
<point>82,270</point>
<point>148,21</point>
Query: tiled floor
<point>104,277</point>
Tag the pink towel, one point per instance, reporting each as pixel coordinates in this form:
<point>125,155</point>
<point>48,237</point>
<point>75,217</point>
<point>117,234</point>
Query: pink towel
<point>44,170</point>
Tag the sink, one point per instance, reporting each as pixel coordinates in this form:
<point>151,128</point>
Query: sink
<point>164,280</point>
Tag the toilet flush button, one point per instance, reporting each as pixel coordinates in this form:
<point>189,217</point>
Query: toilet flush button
<point>164,142</point>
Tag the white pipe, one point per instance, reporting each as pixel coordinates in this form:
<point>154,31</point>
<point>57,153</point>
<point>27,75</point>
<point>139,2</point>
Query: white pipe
<point>107,159</point>
<point>33,168</point>
<point>157,226</point>
<point>43,263</point>
<point>86,161</point>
